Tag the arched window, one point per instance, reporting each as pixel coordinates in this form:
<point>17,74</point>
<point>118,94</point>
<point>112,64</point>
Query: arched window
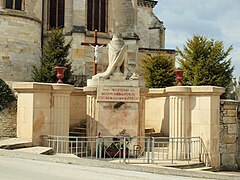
<point>14,4</point>
<point>97,15</point>
<point>56,13</point>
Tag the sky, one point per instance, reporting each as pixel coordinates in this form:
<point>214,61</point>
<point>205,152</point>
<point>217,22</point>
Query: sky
<point>217,19</point>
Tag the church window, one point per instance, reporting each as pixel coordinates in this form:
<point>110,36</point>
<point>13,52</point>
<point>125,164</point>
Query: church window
<point>56,13</point>
<point>97,15</point>
<point>14,4</point>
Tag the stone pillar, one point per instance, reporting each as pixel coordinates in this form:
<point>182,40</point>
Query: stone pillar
<point>179,114</point>
<point>194,112</point>
<point>43,109</point>
<point>91,111</point>
<point>60,109</point>
<point>179,121</point>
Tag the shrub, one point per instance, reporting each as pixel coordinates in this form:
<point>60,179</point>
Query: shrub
<point>6,95</point>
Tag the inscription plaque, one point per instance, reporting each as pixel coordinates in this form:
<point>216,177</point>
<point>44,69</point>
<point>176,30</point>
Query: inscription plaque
<point>118,94</point>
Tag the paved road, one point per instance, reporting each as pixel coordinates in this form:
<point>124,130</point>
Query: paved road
<point>23,169</point>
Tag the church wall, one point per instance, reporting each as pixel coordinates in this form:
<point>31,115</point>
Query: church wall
<point>20,47</point>
<point>20,41</point>
<point>68,15</point>
<point>142,26</point>
<point>149,28</point>
<point>79,12</point>
<point>122,17</point>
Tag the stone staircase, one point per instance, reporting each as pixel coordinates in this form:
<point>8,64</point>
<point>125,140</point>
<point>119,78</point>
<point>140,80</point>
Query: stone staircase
<point>150,132</point>
<point>193,166</point>
<point>78,130</point>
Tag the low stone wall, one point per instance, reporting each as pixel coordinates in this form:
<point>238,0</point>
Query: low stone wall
<point>77,107</point>
<point>157,111</point>
<point>8,121</point>
<point>229,142</point>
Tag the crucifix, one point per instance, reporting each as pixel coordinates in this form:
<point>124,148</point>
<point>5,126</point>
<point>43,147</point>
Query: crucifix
<point>96,47</point>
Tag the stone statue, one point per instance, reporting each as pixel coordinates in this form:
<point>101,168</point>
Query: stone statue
<point>117,52</point>
<point>96,49</point>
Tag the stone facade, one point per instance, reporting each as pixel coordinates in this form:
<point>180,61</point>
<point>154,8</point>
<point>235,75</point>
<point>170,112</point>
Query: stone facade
<point>20,40</point>
<point>8,121</point>
<point>20,47</point>
<point>229,135</point>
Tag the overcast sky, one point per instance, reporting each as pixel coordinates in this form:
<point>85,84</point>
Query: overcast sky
<point>217,19</point>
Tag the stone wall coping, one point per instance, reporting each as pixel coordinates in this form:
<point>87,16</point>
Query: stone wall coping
<point>78,91</point>
<point>66,88</point>
<point>90,89</point>
<point>31,87</point>
<point>156,92</point>
<point>200,90</point>
<point>185,90</point>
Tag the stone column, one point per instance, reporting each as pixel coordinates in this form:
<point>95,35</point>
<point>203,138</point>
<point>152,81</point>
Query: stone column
<point>179,121</point>
<point>179,114</point>
<point>60,109</point>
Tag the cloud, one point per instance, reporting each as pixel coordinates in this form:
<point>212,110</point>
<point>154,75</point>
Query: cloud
<point>215,19</point>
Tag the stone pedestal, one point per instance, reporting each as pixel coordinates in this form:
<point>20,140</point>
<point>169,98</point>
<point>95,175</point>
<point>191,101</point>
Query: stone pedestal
<point>114,106</point>
<point>43,109</point>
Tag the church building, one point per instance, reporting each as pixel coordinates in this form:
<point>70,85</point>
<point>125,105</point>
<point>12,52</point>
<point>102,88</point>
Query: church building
<point>24,24</point>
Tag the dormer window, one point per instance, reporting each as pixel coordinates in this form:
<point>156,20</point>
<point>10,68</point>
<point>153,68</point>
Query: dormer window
<point>14,4</point>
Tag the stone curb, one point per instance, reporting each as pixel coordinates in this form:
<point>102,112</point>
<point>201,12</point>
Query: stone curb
<point>104,164</point>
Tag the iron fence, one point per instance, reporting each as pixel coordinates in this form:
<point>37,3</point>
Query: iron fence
<point>129,149</point>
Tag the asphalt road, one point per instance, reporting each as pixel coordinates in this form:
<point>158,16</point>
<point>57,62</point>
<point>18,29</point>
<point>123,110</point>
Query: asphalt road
<point>24,169</point>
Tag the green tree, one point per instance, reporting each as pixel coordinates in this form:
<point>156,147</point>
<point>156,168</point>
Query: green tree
<point>205,62</point>
<point>54,53</point>
<point>6,95</point>
<point>158,70</point>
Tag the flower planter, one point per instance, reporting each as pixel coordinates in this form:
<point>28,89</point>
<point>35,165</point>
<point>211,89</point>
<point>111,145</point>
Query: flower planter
<point>60,73</point>
<point>179,76</point>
